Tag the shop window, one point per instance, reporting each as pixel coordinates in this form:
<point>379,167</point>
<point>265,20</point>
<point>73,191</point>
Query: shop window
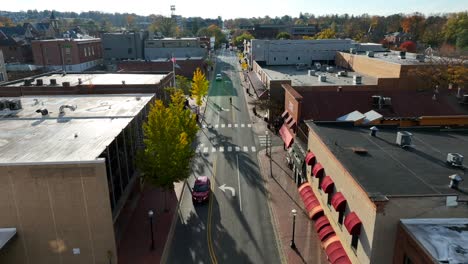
<point>354,242</point>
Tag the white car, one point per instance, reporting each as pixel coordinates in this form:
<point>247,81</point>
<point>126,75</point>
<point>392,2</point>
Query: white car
<point>219,77</point>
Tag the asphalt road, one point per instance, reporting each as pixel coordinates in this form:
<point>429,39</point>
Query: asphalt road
<point>235,225</point>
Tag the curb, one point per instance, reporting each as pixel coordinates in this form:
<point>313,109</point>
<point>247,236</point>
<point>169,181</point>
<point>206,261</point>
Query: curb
<point>170,235</point>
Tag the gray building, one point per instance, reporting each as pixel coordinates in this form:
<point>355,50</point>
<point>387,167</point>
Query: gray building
<point>3,73</point>
<point>123,45</point>
<point>291,52</point>
<point>167,48</point>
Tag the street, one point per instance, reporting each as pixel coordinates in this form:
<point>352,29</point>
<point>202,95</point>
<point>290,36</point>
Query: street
<point>235,225</point>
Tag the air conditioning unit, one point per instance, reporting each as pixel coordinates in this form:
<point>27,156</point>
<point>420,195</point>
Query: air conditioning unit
<point>53,82</point>
<point>455,159</point>
<point>464,99</point>
<point>15,104</point>
<point>387,101</point>
<point>357,79</point>
<point>66,84</point>
<point>39,82</point>
<point>311,72</point>
<point>322,78</point>
<point>402,55</point>
<point>420,57</point>
<point>318,66</point>
<point>404,139</point>
<point>27,82</point>
<point>376,101</point>
<point>370,54</point>
<point>342,73</point>
<point>3,104</point>
<point>330,69</point>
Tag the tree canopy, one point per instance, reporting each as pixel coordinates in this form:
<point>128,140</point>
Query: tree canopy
<point>168,136</point>
<point>200,86</point>
<point>283,35</point>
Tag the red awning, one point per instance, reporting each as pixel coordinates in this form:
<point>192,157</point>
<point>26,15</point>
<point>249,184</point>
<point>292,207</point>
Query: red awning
<point>343,260</point>
<point>286,136</point>
<point>317,169</point>
<point>305,187</point>
<point>338,201</point>
<point>311,203</point>
<point>327,184</point>
<point>321,222</point>
<point>285,113</point>
<point>310,158</point>
<point>335,252</point>
<point>353,223</point>
<point>325,232</point>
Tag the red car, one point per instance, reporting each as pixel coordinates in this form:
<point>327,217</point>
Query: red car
<point>201,189</point>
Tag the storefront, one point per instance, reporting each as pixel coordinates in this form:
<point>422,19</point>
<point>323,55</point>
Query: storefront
<point>295,157</point>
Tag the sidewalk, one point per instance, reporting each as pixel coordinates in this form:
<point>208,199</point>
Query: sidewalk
<point>284,197</point>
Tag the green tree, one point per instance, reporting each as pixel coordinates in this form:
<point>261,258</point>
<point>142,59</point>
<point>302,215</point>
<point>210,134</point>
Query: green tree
<point>283,35</point>
<point>200,86</point>
<point>183,83</point>
<point>240,39</point>
<point>326,34</point>
<point>168,137</point>
<point>213,31</point>
<point>165,25</point>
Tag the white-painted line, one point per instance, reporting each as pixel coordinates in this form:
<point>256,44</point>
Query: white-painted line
<point>237,148</point>
<point>246,149</point>
<point>238,183</point>
<point>203,126</point>
<point>236,125</point>
<point>249,125</point>
<point>216,126</point>
<point>229,125</point>
<point>221,149</point>
<point>229,149</point>
<point>223,125</point>
<point>242,125</point>
<point>254,149</point>
<point>213,149</point>
<point>205,150</point>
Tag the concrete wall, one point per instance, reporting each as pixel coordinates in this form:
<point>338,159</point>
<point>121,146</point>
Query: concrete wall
<point>3,73</point>
<point>369,66</point>
<point>407,207</point>
<point>165,53</point>
<point>357,201</point>
<point>406,246</point>
<point>122,46</point>
<point>56,208</point>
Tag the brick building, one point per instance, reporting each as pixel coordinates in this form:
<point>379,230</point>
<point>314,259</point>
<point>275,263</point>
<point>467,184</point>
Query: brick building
<point>67,54</point>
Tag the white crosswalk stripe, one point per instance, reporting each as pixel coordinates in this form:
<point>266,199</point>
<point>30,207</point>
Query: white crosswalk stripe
<point>249,125</point>
<point>236,125</point>
<point>242,125</point>
<point>205,149</point>
<point>229,125</point>
<point>237,148</point>
<point>254,149</point>
<point>246,149</point>
<point>223,125</point>
<point>213,149</point>
<point>216,126</point>
<point>221,149</point>
<point>229,149</point>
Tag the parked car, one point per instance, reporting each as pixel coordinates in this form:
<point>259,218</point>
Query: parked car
<point>201,189</point>
<point>219,77</point>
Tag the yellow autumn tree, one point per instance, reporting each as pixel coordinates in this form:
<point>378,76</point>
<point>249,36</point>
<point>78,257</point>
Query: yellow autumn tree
<point>199,86</point>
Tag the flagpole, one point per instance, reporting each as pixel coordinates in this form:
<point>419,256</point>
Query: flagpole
<point>173,68</point>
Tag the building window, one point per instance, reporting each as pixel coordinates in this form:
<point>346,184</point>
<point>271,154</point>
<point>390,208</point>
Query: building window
<point>1,77</point>
<point>298,58</point>
<point>407,260</point>
<point>287,58</point>
<point>329,198</point>
<point>320,182</point>
<point>129,50</point>
<point>340,217</point>
<point>85,52</point>
<point>67,51</point>
<point>107,49</point>
<point>92,51</point>
<point>274,58</point>
<point>69,61</point>
<point>354,242</point>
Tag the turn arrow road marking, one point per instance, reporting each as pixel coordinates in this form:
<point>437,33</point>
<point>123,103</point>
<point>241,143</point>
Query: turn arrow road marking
<point>224,188</point>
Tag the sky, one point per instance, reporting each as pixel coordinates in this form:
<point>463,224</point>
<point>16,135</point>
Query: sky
<point>243,8</point>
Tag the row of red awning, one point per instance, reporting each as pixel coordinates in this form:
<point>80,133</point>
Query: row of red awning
<point>330,241</point>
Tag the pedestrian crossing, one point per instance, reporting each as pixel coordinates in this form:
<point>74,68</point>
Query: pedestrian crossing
<point>226,125</point>
<point>221,149</point>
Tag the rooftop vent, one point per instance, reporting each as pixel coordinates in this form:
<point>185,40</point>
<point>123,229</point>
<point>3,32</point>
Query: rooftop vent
<point>311,73</point>
<point>330,69</point>
<point>455,179</point>
<point>11,104</point>
<point>62,108</point>
<point>380,102</point>
<point>43,112</point>
<point>402,55</point>
<point>455,159</point>
<point>66,84</point>
<point>322,78</point>
<point>359,151</point>
<point>357,79</point>
<point>370,54</point>
<point>39,82</point>
<point>27,82</point>
<point>80,81</point>
<point>342,74</point>
<point>404,139</point>
<point>53,82</point>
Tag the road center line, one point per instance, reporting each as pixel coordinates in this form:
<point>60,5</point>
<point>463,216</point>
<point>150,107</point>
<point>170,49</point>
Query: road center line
<point>238,183</point>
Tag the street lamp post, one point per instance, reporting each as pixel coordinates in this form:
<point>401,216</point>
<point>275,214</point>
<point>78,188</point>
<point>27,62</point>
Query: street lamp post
<point>294,212</point>
<point>150,216</point>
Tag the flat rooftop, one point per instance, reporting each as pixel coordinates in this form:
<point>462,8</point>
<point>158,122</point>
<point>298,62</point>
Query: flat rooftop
<point>301,78</point>
<point>445,239</point>
<point>80,135</point>
<point>393,57</point>
<point>387,169</point>
<point>95,79</point>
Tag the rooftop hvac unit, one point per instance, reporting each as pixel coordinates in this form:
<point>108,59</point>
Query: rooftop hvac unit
<point>352,50</point>
<point>15,104</point>
<point>387,101</point>
<point>53,82</point>
<point>455,159</point>
<point>27,82</point>
<point>370,54</point>
<point>464,99</point>
<point>330,69</point>
<point>66,84</point>
<point>311,73</point>
<point>342,73</point>
<point>318,66</point>
<point>376,100</point>
<point>357,79</point>
<point>322,78</point>
<point>3,104</point>
<point>404,139</point>
<point>402,55</point>
<point>39,82</point>
<point>420,57</point>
